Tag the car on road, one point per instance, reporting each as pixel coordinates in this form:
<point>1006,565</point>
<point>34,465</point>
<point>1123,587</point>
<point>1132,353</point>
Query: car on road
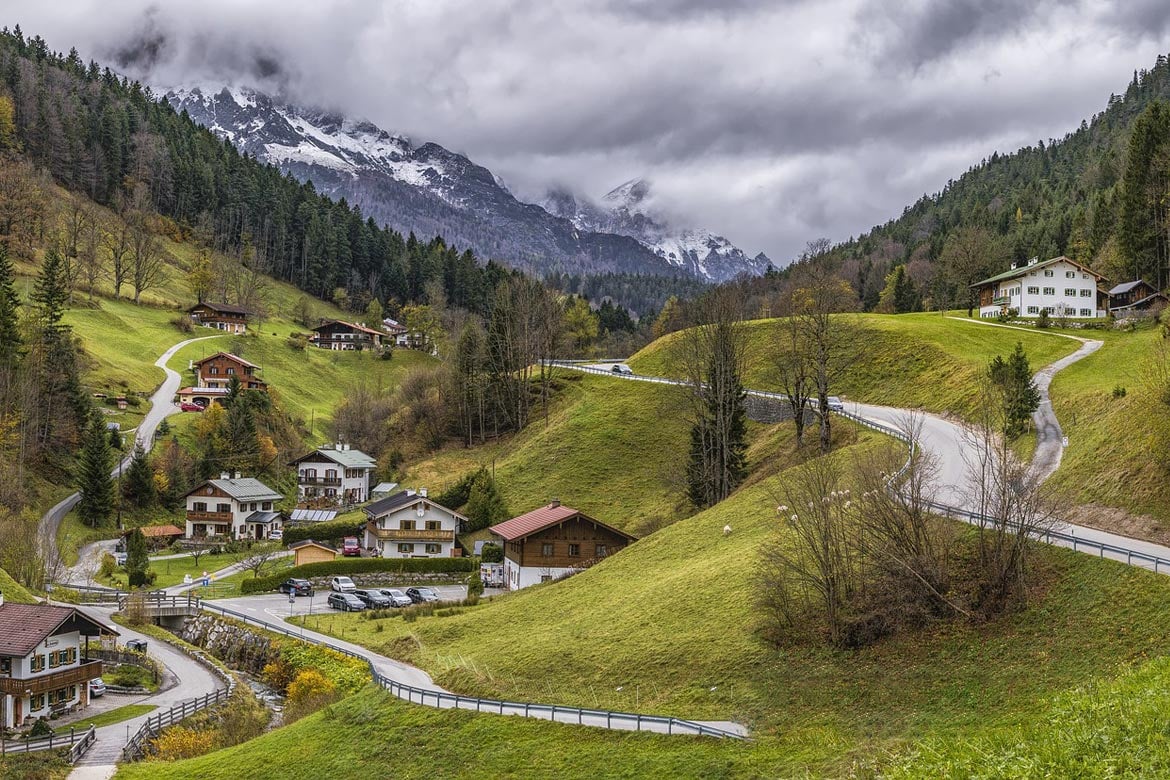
<point>622,368</point>
<point>119,559</point>
<point>351,546</point>
<point>374,599</point>
<point>397,598</point>
<point>346,602</point>
<point>296,586</point>
<point>97,687</point>
<point>187,406</point>
<point>835,404</point>
<point>422,595</point>
<point>342,584</point>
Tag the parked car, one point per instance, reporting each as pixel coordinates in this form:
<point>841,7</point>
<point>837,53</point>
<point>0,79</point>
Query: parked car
<point>622,368</point>
<point>187,406</point>
<point>296,586</point>
<point>346,602</point>
<point>422,595</point>
<point>276,534</point>
<point>835,404</point>
<point>374,599</point>
<point>120,558</point>
<point>97,687</point>
<point>342,584</point>
<point>397,598</point>
<point>351,546</point>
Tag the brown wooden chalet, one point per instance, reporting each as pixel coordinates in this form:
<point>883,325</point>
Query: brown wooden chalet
<point>552,541</point>
<point>218,370</point>
<point>341,335</point>
<point>1138,295</point>
<point>221,316</point>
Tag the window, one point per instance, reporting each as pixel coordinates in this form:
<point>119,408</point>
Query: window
<point>1050,291</point>
<point>574,550</point>
<point>223,507</point>
<point>546,578</point>
<point>1048,273</point>
<point>1070,274</point>
<point>1070,292</point>
<point>434,525</point>
<point>1086,293</point>
<point>72,655</point>
<point>330,473</point>
<point>36,702</point>
<point>546,549</point>
<point>1033,291</point>
<point>54,660</point>
<point>199,506</point>
<point>1033,309</point>
<point>252,507</point>
<point>406,525</point>
<point>267,506</point>
<point>406,548</point>
<point>601,551</point>
<point>214,370</point>
<point>1084,276</point>
<point>1086,312</point>
<point>231,370</point>
<point>38,663</point>
<point>6,667</point>
<point>434,549</point>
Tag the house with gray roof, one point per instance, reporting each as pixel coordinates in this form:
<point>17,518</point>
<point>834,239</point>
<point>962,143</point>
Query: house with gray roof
<point>233,507</point>
<point>408,524</point>
<point>1060,286</point>
<point>1130,298</point>
<point>334,475</point>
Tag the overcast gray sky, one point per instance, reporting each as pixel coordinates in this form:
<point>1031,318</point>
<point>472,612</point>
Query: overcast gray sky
<point>770,122</point>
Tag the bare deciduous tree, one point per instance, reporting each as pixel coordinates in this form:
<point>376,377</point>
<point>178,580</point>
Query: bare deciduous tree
<point>116,241</point>
<point>146,255</point>
<point>794,367</point>
<point>258,558</point>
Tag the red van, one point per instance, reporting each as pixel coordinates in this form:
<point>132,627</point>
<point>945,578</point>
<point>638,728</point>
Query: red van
<point>350,546</point>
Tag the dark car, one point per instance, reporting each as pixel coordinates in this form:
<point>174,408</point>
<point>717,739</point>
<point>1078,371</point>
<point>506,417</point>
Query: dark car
<point>296,586</point>
<point>373,599</point>
<point>422,595</point>
<point>346,602</point>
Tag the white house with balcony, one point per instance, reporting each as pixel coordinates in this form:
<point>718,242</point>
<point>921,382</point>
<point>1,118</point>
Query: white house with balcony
<point>43,668</point>
<point>336,474</point>
<point>233,507</point>
<point>410,525</point>
<point>1060,286</point>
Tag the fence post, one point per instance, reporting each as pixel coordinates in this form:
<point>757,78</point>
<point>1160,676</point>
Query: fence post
<point>639,722</point>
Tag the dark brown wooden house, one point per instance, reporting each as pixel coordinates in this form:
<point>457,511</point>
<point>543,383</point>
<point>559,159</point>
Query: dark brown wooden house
<point>553,541</point>
<point>221,316</point>
<point>337,334</point>
<point>1135,296</point>
<point>218,370</point>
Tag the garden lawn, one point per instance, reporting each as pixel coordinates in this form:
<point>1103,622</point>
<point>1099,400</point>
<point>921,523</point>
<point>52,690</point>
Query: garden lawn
<point>110,717</point>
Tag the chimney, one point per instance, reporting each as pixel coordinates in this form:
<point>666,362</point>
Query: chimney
<point>237,475</point>
<point>554,503</point>
<point>409,492</point>
<point>422,492</point>
<point>224,475</point>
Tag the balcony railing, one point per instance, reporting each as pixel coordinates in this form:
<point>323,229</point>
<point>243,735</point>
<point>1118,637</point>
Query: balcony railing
<point>411,535</point>
<point>328,481</point>
<point>75,675</point>
<point>208,517</point>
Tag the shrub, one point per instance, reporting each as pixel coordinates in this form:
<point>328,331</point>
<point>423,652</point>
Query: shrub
<point>296,343</point>
<point>1119,392</point>
<point>475,585</point>
<point>309,692</point>
<point>40,729</point>
<point>184,324</point>
<point>321,532</point>
<point>1043,321</point>
<point>279,673</point>
<point>491,553</point>
<point>108,565</point>
<point>180,742</point>
<point>359,566</point>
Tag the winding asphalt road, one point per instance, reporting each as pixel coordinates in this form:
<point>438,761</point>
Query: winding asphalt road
<point>161,406</point>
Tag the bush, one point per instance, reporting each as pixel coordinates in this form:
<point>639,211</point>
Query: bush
<point>40,729</point>
<point>307,693</point>
<point>1043,321</point>
<point>1119,392</point>
<point>491,553</point>
<point>296,343</point>
<point>180,742</point>
<point>457,495</point>
<point>108,565</point>
<point>184,324</point>
<point>321,532</point>
<point>475,585</point>
<point>359,566</point>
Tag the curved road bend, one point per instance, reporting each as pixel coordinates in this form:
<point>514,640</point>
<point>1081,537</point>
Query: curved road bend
<point>161,406</point>
<point>185,679</point>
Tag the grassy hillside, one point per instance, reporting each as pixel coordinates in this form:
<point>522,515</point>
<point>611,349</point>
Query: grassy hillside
<point>917,360</point>
<point>13,591</point>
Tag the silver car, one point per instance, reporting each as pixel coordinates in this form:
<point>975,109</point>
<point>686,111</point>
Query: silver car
<point>397,597</point>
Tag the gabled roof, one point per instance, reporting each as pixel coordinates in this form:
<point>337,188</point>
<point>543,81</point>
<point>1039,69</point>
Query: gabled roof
<point>361,328</point>
<point>1125,287</point>
<point>263,518</point>
<point>24,626</point>
<point>350,459</point>
<point>393,326</point>
<point>402,499</point>
<point>223,308</point>
<point>311,543</point>
<point>539,519</point>
<point>242,489</point>
<point>155,531</point>
<point>227,355</point>
<point>1024,269</point>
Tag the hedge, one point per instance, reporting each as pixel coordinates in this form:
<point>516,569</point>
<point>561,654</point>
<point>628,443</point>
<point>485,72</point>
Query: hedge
<point>322,532</point>
<point>359,566</point>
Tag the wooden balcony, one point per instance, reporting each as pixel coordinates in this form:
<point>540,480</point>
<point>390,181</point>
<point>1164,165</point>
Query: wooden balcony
<point>208,517</point>
<point>407,535</point>
<point>74,675</point>
<point>327,481</point>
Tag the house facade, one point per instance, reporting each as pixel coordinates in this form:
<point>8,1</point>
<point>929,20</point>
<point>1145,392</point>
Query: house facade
<point>336,472</point>
<point>339,335</point>
<point>396,332</point>
<point>43,668</point>
<point>217,372</point>
<point>1136,296</point>
<point>410,525</point>
<point>1061,286</point>
<point>234,507</point>
<point>553,541</point>
<point>221,316</point>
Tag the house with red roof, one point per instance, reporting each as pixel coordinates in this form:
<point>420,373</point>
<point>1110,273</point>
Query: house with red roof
<point>553,541</point>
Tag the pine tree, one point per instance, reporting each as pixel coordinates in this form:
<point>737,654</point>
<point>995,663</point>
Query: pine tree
<point>10,337</point>
<point>138,483</point>
<point>115,439</point>
<point>1019,394</point>
<point>137,559</point>
<point>718,451</point>
<point>93,477</point>
<point>485,505</point>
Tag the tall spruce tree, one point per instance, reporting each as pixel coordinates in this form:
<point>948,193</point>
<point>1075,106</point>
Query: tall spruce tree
<point>718,459</point>
<point>485,505</point>
<point>62,410</point>
<point>1020,397</point>
<point>93,477</point>
<point>138,482</point>
<point>137,559</point>
<point>10,336</point>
